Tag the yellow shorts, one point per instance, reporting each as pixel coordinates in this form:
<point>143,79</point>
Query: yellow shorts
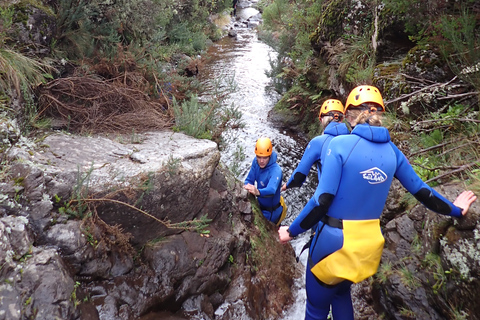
<point>359,256</point>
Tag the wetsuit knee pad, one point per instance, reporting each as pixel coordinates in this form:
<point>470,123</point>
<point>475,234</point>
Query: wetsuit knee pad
<point>359,256</point>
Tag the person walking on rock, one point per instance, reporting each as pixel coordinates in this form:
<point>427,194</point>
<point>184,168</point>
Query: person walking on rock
<point>267,174</point>
<point>354,185</point>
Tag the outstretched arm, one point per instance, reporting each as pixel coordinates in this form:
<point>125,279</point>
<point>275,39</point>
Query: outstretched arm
<point>428,196</point>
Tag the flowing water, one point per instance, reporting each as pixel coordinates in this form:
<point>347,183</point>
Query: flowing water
<point>246,59</point>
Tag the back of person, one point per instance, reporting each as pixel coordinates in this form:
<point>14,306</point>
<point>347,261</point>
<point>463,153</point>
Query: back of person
<point>364,167</point>
<point>330,116</point>
<point>356,177</point>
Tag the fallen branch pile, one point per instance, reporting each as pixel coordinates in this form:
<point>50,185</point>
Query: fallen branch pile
<point>89,104</point>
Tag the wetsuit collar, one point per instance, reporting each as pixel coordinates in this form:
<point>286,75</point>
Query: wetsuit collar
<point>336,128</point>
<point>372,133</point>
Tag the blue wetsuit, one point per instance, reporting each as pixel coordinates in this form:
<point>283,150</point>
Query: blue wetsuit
<point>269,182</point>
<point>315,153</point>
<point>354,185</point>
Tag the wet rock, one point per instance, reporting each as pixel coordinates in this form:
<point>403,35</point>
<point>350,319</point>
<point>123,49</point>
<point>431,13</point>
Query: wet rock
<point>37,31</point>
<point>34,277</point>
<point>404,226</point>
<point>426,252</point>
<point>232,33</point>
<point>127,263</point>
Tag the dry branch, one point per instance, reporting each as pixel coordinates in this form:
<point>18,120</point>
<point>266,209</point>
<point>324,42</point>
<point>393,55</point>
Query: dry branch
<point>405,96</point>
<point>457,170</point>
<point>91,104</point>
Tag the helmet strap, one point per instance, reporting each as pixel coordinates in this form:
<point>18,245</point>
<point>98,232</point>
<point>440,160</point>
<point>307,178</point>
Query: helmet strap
<point>337,116</point>
<point>371,110</point>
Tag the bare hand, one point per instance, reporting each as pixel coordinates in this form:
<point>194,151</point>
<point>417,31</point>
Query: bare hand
<point>283,235</point>
<point>464,200</point>
<point>252,189</point>
<point>284,187</point>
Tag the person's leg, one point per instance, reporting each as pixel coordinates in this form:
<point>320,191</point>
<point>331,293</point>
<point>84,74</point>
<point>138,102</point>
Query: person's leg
<point>342,308</point>
<point>276,215</point>
<point>319,298</point>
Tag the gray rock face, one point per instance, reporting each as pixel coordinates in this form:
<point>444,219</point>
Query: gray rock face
<point>35,282</point>
<point>90,230</point>
<point>428,260</point>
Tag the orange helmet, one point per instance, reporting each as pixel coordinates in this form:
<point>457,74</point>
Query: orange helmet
<point>263,147</point>
<point>364,94</point>
<point>332,106</point>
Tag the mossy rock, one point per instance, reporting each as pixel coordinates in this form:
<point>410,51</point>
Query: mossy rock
<point>426,62</point>
<point>330,26</point>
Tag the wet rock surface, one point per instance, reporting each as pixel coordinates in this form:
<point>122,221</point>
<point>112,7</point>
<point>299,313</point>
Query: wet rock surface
<point>113,261</point>
<point>428,263</point>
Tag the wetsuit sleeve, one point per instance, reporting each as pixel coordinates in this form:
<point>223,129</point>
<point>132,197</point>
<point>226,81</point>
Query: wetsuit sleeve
<point>310,156</point>
<point>324,194</point>
<point>251,177</point>
<point>273,184</point>
<point>428,196</point>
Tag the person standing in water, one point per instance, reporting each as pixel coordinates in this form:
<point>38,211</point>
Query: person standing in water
<point>267,174</point>
<point>234,13</point>
<point>350,197</point>
<point>331,117</point>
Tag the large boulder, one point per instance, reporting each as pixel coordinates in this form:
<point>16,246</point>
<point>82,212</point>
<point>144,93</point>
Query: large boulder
<point>156,227</point>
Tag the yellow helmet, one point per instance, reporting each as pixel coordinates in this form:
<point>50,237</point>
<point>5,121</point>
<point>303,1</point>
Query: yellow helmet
<point>263,147</point>
<point>333,106</point>
<point>364,94</point>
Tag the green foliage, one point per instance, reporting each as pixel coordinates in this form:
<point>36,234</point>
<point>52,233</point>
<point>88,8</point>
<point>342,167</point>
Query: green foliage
<point>416,245</point>
<point>145,187</point>
<point>385,271</point>
<point>460,49</point>
<point>173,165</point>
<point>474,180</point>
<point>357,61</point>
<point>193,117</point>
<point>287,27</point>
<point>189,41</point>
<point>405,312</point>
<point>209,118</point>
<point>77,206</point>
<point>424,169</point>
<point>84,31</point>
<point>238,158</point>
<point>408,278</point>
<point>93,29</point>
<point>458,314</point>
<point>444,141</point>
<point>415,15</point>
<point>198,225</point>
<point>90,238</point>
<point>433,264</point>
<point>22,74</point>
<point>73,296</point>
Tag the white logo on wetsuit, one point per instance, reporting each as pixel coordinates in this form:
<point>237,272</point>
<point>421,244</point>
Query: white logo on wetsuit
<point>263,184</point>
<point>374,175</point>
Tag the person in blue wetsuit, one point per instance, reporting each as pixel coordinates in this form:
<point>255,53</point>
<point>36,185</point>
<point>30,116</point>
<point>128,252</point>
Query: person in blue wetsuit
<point>268,175</point>
<point>330,116</point>
<point>354,185</point>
